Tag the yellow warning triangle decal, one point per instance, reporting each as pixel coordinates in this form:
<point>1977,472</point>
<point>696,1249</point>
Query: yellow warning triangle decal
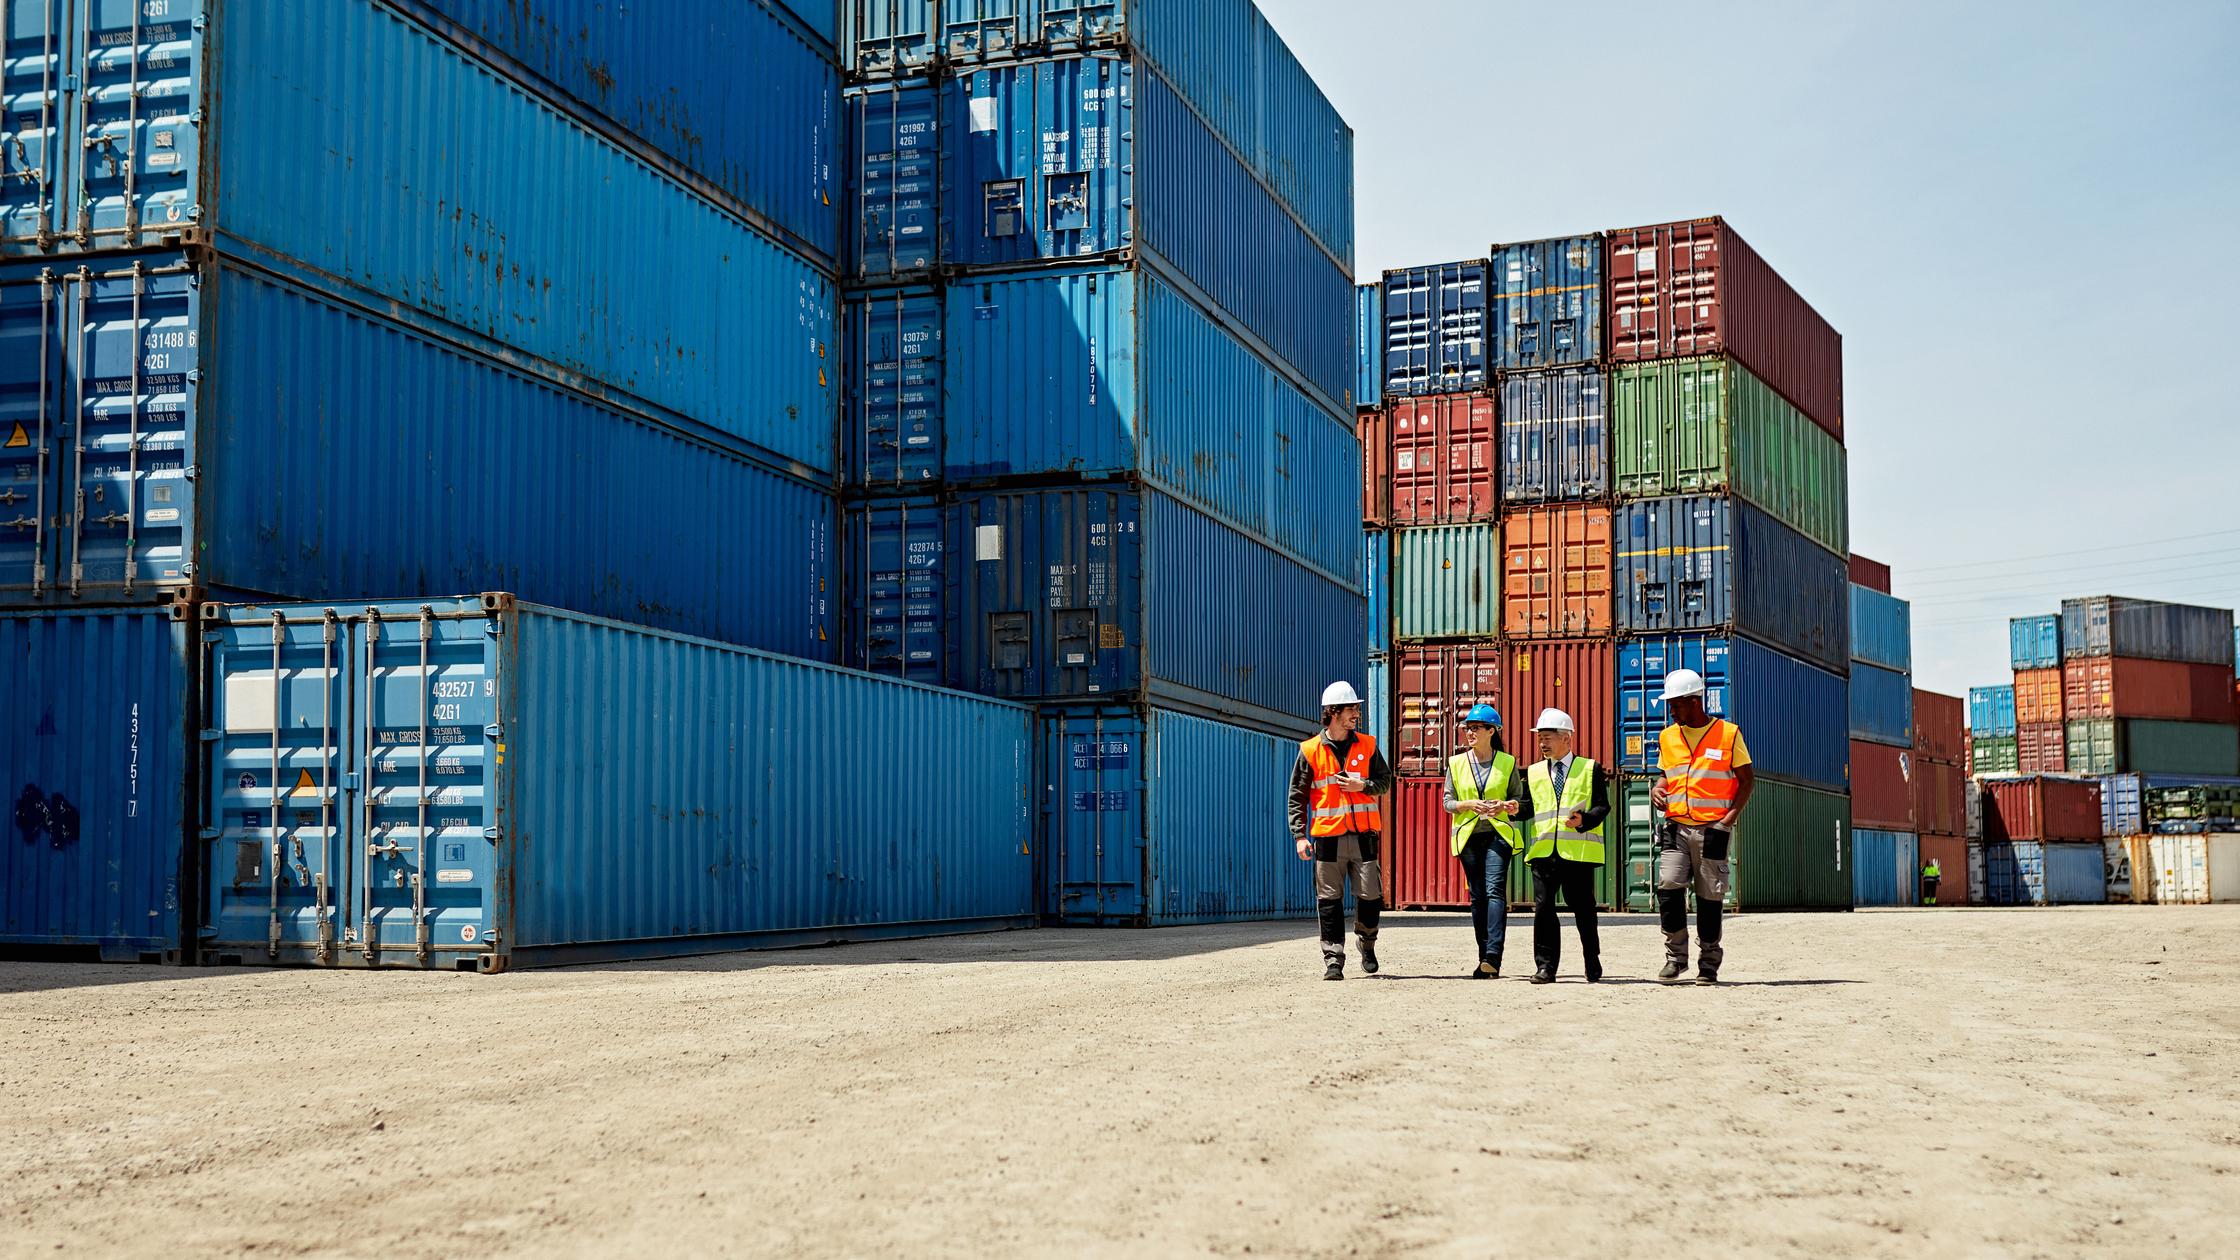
<point>17,437</point>
<point>820,378</point>
<point>304,783</point>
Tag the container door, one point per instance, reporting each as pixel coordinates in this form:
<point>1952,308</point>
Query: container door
<point>983,30</point>
<point>1095,849</point>
<point>34,52</point>
<point>31,398</point>
<point>895,394</point>
<point>897,621</point>
<point>897,180</point>
<point>141,71</point>
<point>1069,25</point>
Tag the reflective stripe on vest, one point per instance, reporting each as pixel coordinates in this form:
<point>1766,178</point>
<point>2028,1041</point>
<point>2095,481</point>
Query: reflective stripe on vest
<point>1464,781</point>
<point>1699,782</point>
<point>1549,834</point>
<point>1338,812</point>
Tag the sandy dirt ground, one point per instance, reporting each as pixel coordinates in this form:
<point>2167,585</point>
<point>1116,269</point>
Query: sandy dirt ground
<point>2047,1083</point>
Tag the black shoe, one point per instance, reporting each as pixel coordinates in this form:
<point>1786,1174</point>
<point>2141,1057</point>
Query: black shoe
<point>1594,977</point>
<point>1543,977</point>
<point>1672,969</point>
<point>1486,971</point>
<point>1334,971</point>
<point>1708,975</point>
<point>1369,959</point>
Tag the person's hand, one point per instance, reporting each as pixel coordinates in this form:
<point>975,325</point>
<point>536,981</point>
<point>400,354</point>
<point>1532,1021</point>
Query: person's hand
<point>1658,796</point>
<point>1577,821</point>
<point>1506,809</point>
<point>1482,808</point>
<point>1305,848</point>
<point>1354,783</point>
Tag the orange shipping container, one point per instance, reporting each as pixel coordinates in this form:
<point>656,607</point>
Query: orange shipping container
<point>1951,853</point>
<point>1556,572</point>
<point>1578,676</point>
<point>1940,797</point>
<point>1442,459</point>
<point>2037,696</point>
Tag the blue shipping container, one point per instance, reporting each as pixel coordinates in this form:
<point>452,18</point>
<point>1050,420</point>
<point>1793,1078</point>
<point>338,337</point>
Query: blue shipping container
<point>1376,710</point>
<point>1376,570</point>
<point>1158,818</point>
<point>1555,436</point>
<point>2111,625</point>
<point>884,39</point>
<point>1991,712</point>
<point>2122,805</point>
<point>1368,346</point>
<point>94,713</point>
<point>1881,705</point>
<point>228,430</point>
<point>894,182</point>
<point>1704,562</point>
<point>1076,593</point>
<point>424,772</point>
<point>2036,873</point>
<point>540,234</point>
<point>1881,629</point>
<point>2035,642</point>
<point>1547,302</point>
<point>1885,867</point>
<point>894,404</point>
<point>1435,329</point>
<point>821,17</point>
<point>896,582</point>
<point>1791,713</point>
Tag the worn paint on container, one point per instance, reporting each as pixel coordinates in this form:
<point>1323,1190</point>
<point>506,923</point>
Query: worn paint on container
<point>1434,685</point>
<point>2041,748</point>
<point>1883,786</point>
<point>2033,873</point>
<point>1978,894</point>
<point>1368,345</point>
<point>2041,807</point>
<point>1705,562</point>
<point>894,387</point>
<point>1443,450</point>
<point>2038,696</point>
<point>1991,711</point>
<point>1791,849</point>
<point>1435,329</point>
<point>1881,705</point>
<point>1703,425</point>
<point>1881,629</point>
<point>2111,625</point>
<point>1940,726</point>
<point>1790,712</point>
<point>1376,569</point>
<point>897,576</point>
<point>1994,754</point>
<point>1555,436</point>
<point>1373,430</point>
<point>2035,642</point>
<point>1950,852</point>
<point>1578,676</point>
<point>2196,869</point>
<point>1157,818</point>
<point>2128,687</point>
<point>2144,746</point>
<point>418,767</point>
<point>214,426</point>
<point>1884,867</point>
<point>1446,582</point>
<point>1556,572</point>
<point>1872,574</point>
<point>1546,302</point>
<point>1692,288</point>
<point>1940,796</point>
<point>96,706</point>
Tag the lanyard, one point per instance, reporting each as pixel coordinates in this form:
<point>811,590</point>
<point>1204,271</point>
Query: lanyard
<point>1481,773</point>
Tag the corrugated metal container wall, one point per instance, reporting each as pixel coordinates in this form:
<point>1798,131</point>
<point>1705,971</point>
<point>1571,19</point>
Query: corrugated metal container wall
<point>1443,459</point>
<point>1940,797</point>
<point>1158,818</point>
<point>821,17</point>
<point>1556,572</point>
<point>1991,711</point>
<point>1555,436</point>
<point>242,434</point>
<point>1940,725</point>
<point>880,39</point>
<point>1995,755</point>
<point>1884,867</point>
<point>1373,430</point>
<point>1789,711</point>
<point>1420,869</point>
<point>2042,748</point>
<point>896,588</point>
<point>1881,629</point>
<point>2111,625</point>
<point>2037,696</point>
<point>2126,687</point>
<point>1547,302</point>
<point>1978,893</point>
<point>2196,870</point>
<point>2112,746</point>
<point>1700,425</point>
<point>2130,863</point>
<point>96,713</point>
<point>1703,562</point>
<point>1435,329</point>
<point>2122,804</point>
<point>1368,345</point>
<point>2035,642</point>
<point>2041,808</point>
<point>1791,849</point>
<point>691,839</point>
<point>1681,289</point>
<point>2088,747</point>
<point>1446,582</point>
<point>2030,873</point>
<point>1882,786</point>
<point>894,386</point>
<point>1951,855</point>
<point>1376,568</point>
<point>1578,676</point>
<point>369,188</point>
<point>1376,709</point>
<point>894,181</point>
<point>765,140</point>
<point>1872,574</point>
<point>1434,686</point>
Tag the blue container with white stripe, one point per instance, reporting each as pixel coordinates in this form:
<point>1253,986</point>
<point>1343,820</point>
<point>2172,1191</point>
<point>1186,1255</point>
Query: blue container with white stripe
<point>1546,301</point>
<point>1435,329</point>
<point>1791,713</point>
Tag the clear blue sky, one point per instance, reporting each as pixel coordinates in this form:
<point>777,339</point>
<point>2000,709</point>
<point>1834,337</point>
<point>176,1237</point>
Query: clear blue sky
<point>2024,219</point>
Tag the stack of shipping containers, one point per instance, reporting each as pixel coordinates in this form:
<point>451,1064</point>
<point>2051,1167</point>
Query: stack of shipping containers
<point>1098,441</point>
<point>1940,789</point>
<point>1885,817</point>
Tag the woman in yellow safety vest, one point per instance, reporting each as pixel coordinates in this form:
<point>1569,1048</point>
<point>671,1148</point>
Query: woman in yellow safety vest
<point>1483,799</point>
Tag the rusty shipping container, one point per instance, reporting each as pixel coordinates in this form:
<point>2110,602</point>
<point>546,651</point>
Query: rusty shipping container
<point>1420,870</point>
<point>2041,748</point>
<point>1556,572</point>
<point>1433,686</point>
<point>1872,574</point>
<point>2037,696</point>
<point>1881,786</point>
<point>1578,676</point>
<point>1940,725</point>
<point>1940,797</point>
<point>2040,807</point>
<point>1374,428</point>
<point>2130,687</point>
<point>1443,459</point>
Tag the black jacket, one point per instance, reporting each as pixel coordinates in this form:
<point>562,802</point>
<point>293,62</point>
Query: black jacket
<point>1301,809</point>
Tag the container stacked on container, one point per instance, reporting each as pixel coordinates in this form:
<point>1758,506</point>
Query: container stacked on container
<point>1940,790</point>
<point>1099,431</point>
<point>1991,732</point>
<point>1884,777</point>
<point>2042,841</point>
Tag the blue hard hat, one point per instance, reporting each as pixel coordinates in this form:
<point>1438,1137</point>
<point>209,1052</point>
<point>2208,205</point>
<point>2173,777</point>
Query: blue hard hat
<point>1485,713</point>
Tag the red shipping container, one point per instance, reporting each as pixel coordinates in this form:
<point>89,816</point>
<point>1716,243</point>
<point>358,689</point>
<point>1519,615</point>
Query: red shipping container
<point>2041,808</point>
<point>1940,726</point>
<point>1680,289</point>
<point>1420,870</point>
<point>2128,687</point>
<point>1881,786</point>
<point>1872,574</point>
<point>2042,748</point>
<point>1940,797</point>
<point>1578,676</point>
<point>1433,685</point>
<point>1951,853</point>
<point>1374,426</point>
<point>1556,572</point>
<point>2037,696</point>
<point>1443,459</point>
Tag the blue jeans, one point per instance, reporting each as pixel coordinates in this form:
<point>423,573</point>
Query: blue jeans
<point>1485,870</point>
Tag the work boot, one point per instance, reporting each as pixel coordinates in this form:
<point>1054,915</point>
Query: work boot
<point>1486,970</point>
<point>1543,976</point>
<point>1672,969</point>
<point>1335,971</point>
<point>1369,957</point>
<point>1708,975</point>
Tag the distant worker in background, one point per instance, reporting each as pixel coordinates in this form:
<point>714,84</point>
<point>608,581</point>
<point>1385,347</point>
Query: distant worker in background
<point>1706,781</point>
<point>1334,822</point>
<point>1932,874</point>
<point>1570,802</point>
<point>1483,800</point>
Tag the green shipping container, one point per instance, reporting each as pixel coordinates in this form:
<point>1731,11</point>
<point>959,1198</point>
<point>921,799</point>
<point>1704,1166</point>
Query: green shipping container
<point>2004,756</point>
<point>1703,425</point>
<point>2139,746</point>
<point>1446,582</point>
<point>1609,881</point>
<point>1791,852</point>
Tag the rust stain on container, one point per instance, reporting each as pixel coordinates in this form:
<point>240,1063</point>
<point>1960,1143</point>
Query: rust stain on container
<point>1443,459</point>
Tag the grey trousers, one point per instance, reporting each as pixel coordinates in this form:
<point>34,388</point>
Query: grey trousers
<point>1693,857</point>
<point>1330,880</point>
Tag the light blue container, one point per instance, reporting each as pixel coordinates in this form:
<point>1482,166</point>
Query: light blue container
<point>1368,346</point>
<point>897,580</point>
<point>1546,301</point>
<point>2040,873</point>
<point>94,712</point>
<point>1376,713</point>
<point>2035,642</point>
<point>2122,805</point>
<point>475,783</point>
<point>1881,629</point>
<point>1791,713</point>
<point>1991,712</point>
<point>1885,867</point>
<point>1435,329</point>
<point>1555,436</point>
<point>1376,568</point>
<point>1158,818</point>
<point>1881,705</point>
<point>1706,562</point>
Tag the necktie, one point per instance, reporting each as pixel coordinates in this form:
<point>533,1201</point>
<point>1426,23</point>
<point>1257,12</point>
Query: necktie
<point>1560,766</point>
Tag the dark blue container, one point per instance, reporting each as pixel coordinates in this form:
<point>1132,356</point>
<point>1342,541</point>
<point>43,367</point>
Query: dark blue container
<point>1791,713</point>
<point>1706,562</point>
<point>894,181</point>
<point>1881,629</point>
<point>1991,712</point>
<point>1881,705</point>
<point>896,583</point>
<point>2111,625</point>
<point>2035,642</point>
<point>1368,346</point>
<point>1885,867</point>
<point>1376,569</point>
<point>95,713</point>
<point>1555,436</point>
<point>2039,873</point>
<point>894,399</point>
<point>334,453</point>
<point>1546,299</point>
<point>1435,329</point>
<point>1157,817</point>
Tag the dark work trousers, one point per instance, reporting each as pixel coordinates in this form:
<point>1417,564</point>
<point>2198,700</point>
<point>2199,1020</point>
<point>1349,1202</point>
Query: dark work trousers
<point>1485,871</point>
<point>1576,881</point>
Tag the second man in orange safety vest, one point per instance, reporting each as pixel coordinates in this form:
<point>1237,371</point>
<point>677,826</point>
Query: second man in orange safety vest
<point>1706,780</point>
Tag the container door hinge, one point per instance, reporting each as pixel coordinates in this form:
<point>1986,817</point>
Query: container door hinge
<point>491,834</point>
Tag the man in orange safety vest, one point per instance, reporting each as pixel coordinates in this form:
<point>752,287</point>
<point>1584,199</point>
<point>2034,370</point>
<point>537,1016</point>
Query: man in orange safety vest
<point>1706,781</point>
<point>1334,823</point>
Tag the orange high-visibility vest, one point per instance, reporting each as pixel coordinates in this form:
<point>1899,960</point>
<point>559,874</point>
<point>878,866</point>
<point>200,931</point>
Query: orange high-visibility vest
<point>1338,812</point>
<point>1699,782</point>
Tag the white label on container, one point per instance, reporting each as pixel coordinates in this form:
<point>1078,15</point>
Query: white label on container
<point>981,111</point>
<point>252,701</point>
<point>987,542</point>
<point>455,877</point>
<point>1645,259</point>
<point>162,516</point>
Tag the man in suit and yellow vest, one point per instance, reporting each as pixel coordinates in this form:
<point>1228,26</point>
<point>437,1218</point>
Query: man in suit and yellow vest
<point>1706,781</point>
<point>1335,784</point>
<point>1570,803</point>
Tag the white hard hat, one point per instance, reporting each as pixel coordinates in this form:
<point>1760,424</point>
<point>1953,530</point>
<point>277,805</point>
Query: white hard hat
<point>1339,693</point>
<point>1682,682</point>
<point>1555,720</point>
